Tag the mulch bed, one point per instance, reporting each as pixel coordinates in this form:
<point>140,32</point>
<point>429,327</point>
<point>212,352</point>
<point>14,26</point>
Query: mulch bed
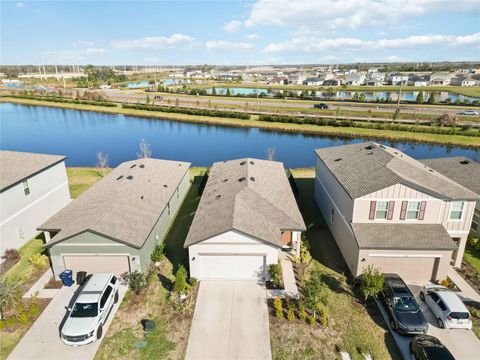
<point>470,275</point>
<point>7,265</point>
<point>53,284</point>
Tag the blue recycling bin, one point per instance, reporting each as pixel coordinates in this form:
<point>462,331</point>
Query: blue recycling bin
<point>67,278</point>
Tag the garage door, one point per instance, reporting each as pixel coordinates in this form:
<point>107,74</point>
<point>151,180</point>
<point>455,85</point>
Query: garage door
<point>94,264</point>
<point>409,268</point>
<point>231,266</point>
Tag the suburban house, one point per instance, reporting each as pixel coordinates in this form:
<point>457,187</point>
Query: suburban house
<point>390,211</point>
<point>464,171</point>
<point>33,187</point>
<point>355,79</point>
<point>415,80</point>
<point>440,78</point>
<point>246,216</point>
<point>331,82</point>
<point>463,80</point>
<point>279,80</point>
<point>397,78</point>
<point>115,225</point>
<point>314,81</point>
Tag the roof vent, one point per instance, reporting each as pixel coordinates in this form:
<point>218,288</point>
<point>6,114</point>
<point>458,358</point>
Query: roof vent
<point>142,166</point>
<point>338,159</point>
<point>141,197</point>
<point>252,178</point>
<point>165,185</point>
<point>242,179</point>
<point>370,153</point>
<point>243,163</point>
<point>369,147</point>
<point>430,170</point>
<point>129,177</point>
<point>225,180</point>
<point>251,163</point>
<point>179,164</point>
<point>120,177</point>
<point>465,162</point>
<point>218,196</point>
<point>131,167</point>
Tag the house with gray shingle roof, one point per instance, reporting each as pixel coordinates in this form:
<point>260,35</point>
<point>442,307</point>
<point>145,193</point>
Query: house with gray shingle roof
<point>391,211</point>
<point>464,171</point>
<point>33,187</point>
<point>115,225</point>
<point>246,215</point>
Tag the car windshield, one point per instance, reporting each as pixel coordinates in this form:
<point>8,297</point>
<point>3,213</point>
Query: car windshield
<point>81,310</point>
<point>405,303</point>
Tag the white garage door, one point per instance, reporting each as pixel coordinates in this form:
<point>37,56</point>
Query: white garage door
<point>409,268</point>
<point>93,264</point>
<point>231,266</point>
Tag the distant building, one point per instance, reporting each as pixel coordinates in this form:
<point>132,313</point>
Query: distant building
<point>315,81</point>
<point>463,80</point>
<point>397,78</point>
<point>355,79</point>
<point>415,80</point>
<point>332,82</point>
<point>279,80</point>
<point>440,79</point>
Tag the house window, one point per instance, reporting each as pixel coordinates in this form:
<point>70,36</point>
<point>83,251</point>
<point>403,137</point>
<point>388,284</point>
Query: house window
<point>456,210</point>
<point>382,210</point>
<point>26,187</point>
<point>413,210</point>
<point>476,221</point>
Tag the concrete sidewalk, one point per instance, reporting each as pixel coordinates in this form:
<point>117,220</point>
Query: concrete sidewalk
<point>289,281</point>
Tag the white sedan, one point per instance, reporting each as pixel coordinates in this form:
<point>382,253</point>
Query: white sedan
<point>448,308</point>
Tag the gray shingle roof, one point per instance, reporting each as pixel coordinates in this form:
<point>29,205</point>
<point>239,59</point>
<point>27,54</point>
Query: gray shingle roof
<point>124,205</point>
<point>248,195</point>
<point>460,169</point>
<point>402,236</point>
<point>17,166</point>
<point>368,167</point>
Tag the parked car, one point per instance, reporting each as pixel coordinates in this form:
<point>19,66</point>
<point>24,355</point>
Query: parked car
<point>321,106</point>
<point>468,112</point>
<point>403,310</point>
<point>91,309</point>
<point>158,97</point>
<point>426,347</point>
<point>448,308</point>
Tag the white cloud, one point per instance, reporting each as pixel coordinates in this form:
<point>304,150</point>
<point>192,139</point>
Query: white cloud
<point>233,26</point>
<point>395,58</point>
<point>72,55</point>
<point>227,45</point>
<point>253,36</point>
<point>82,43</point>
<point>94,51</point>
<point>311,44</point>
<point>155,42</point>
<point>21,5</point>
<point>323,15</point>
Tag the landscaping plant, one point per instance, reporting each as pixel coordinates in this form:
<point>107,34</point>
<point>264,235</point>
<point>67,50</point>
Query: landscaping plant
<point>291,313</point>
<point>275,274</point>
<point>137,282</point>
<point>372,282</point>
<point>39,261</point>
<point>157,253</point>
<point>311,320</point>
<point>278,305</point>
<point>9,295</point>
<point>181,286</point>
<point>302,313</point>
<point>11,254</point>
<point>316,292</point>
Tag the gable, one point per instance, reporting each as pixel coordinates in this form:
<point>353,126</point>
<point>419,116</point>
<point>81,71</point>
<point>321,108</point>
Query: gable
<point>398,191</point>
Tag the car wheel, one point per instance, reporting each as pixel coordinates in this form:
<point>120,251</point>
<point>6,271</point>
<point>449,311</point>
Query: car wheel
<point>422,296</point>
<point>441,324</point>
<point>99,332</point>
<point>115,299</point>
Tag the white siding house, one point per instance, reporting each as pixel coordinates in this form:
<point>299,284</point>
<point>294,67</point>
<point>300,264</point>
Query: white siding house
<point>33,187</point>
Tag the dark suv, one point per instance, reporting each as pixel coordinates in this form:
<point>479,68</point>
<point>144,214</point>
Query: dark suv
<point>425,347</point>
<point>321,106</point>
<point>405,315</point>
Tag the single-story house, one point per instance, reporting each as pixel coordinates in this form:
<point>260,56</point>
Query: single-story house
<point>463,80</point>
<point>246,216</point>
<point>115,225</point>
<point>33,187</point>
<point>464,171</point>
<point>414,80</point>
<point>390,211</point>
<point>331,82</point>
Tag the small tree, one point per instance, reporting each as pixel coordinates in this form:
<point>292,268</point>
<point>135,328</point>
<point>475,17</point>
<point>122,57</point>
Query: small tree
<point>157,253</point>
<point>9,295</point>
<point>316,292</point>
<point>324,316</point>
<point>137,282</point>
<point>420,99</point>
<point>275,273</point>
<point>214,91</point>
<point>270,153</point>
<point>228,93</point>
<point>177,102</point>
<point>291,313</point>
<point>145,151</point>
<point>372,282</point>
<point>395,114</point>
<point>181,285</point>
<point>147,100</point>
<point>302,313</point>
<point>278,305</point>
<point>431,99</point>
<point>311,320</point>
<point>102,163</point>
<point>445,120</point>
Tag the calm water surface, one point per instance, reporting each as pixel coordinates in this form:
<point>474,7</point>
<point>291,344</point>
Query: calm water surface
<point>81,134</point>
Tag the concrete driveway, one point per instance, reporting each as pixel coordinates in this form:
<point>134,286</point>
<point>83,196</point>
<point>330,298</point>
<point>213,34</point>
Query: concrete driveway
<point>230,322</point>
<point>42,341</point>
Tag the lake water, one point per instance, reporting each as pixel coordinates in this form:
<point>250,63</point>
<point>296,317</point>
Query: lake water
<point>81,134</point>
<point>343,95</point>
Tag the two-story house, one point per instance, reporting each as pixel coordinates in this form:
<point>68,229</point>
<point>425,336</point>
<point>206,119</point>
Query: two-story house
<point>390,211</point>
<point>246,216</point>
<point>33,187</point>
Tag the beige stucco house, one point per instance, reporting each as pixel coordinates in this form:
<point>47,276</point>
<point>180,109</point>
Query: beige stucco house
<point>33,187</point>
<point>246,216</point>
<point>115,225</point>
<point>464,171</point>
<point>390,211</point>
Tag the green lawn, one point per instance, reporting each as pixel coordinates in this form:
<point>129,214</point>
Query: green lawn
<point>352,325</point>
<point>80,179</point>
<point>472,257</point>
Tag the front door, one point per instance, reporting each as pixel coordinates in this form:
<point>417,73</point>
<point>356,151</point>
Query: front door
<point>454,252</point>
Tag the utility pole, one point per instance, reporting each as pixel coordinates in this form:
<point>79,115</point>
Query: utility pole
<point>400,92</point>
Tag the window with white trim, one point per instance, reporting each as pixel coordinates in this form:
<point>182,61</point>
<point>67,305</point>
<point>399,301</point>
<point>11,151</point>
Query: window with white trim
<point>476,221</point>
<point>413,210</point>
<point>456,210</point>
<point>381,210</point>
<point>26,187</point>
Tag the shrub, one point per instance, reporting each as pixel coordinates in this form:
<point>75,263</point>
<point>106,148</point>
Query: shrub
<point>372,282</point>
<point>157,253</point>
<point>324,316</point>
<point>9,295</point>
<point>11,254</point>
<point>137,282</point>
<point>34,309</point>
<point>445,283</point>
<point>445,120</point>
<point>474,242</point>
<point>302,313</point>
<point>275,273</point>
<point>3,324</point>
<point>193,281</point>
<point>40,261</point>
<point>316,292</point>
<point>311,320</point>
<point>11,321</point>
<point>181,285</point>
<point>64,100</point>
<point>23,318</point>
<point>291,313</point>
<point>278,305</point>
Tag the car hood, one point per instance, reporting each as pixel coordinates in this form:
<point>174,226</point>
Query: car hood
<point>411,319</point>
<point>79,326</point>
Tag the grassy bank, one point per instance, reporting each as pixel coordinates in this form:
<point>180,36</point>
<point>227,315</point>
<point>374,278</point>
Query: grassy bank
<point>458,140</point>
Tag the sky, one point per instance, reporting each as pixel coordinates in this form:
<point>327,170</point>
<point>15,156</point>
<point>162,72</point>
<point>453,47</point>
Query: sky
<point>238,32</point>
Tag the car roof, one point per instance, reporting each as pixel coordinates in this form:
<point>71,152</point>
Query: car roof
<point>454,303</point>
<point>94,287</point>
